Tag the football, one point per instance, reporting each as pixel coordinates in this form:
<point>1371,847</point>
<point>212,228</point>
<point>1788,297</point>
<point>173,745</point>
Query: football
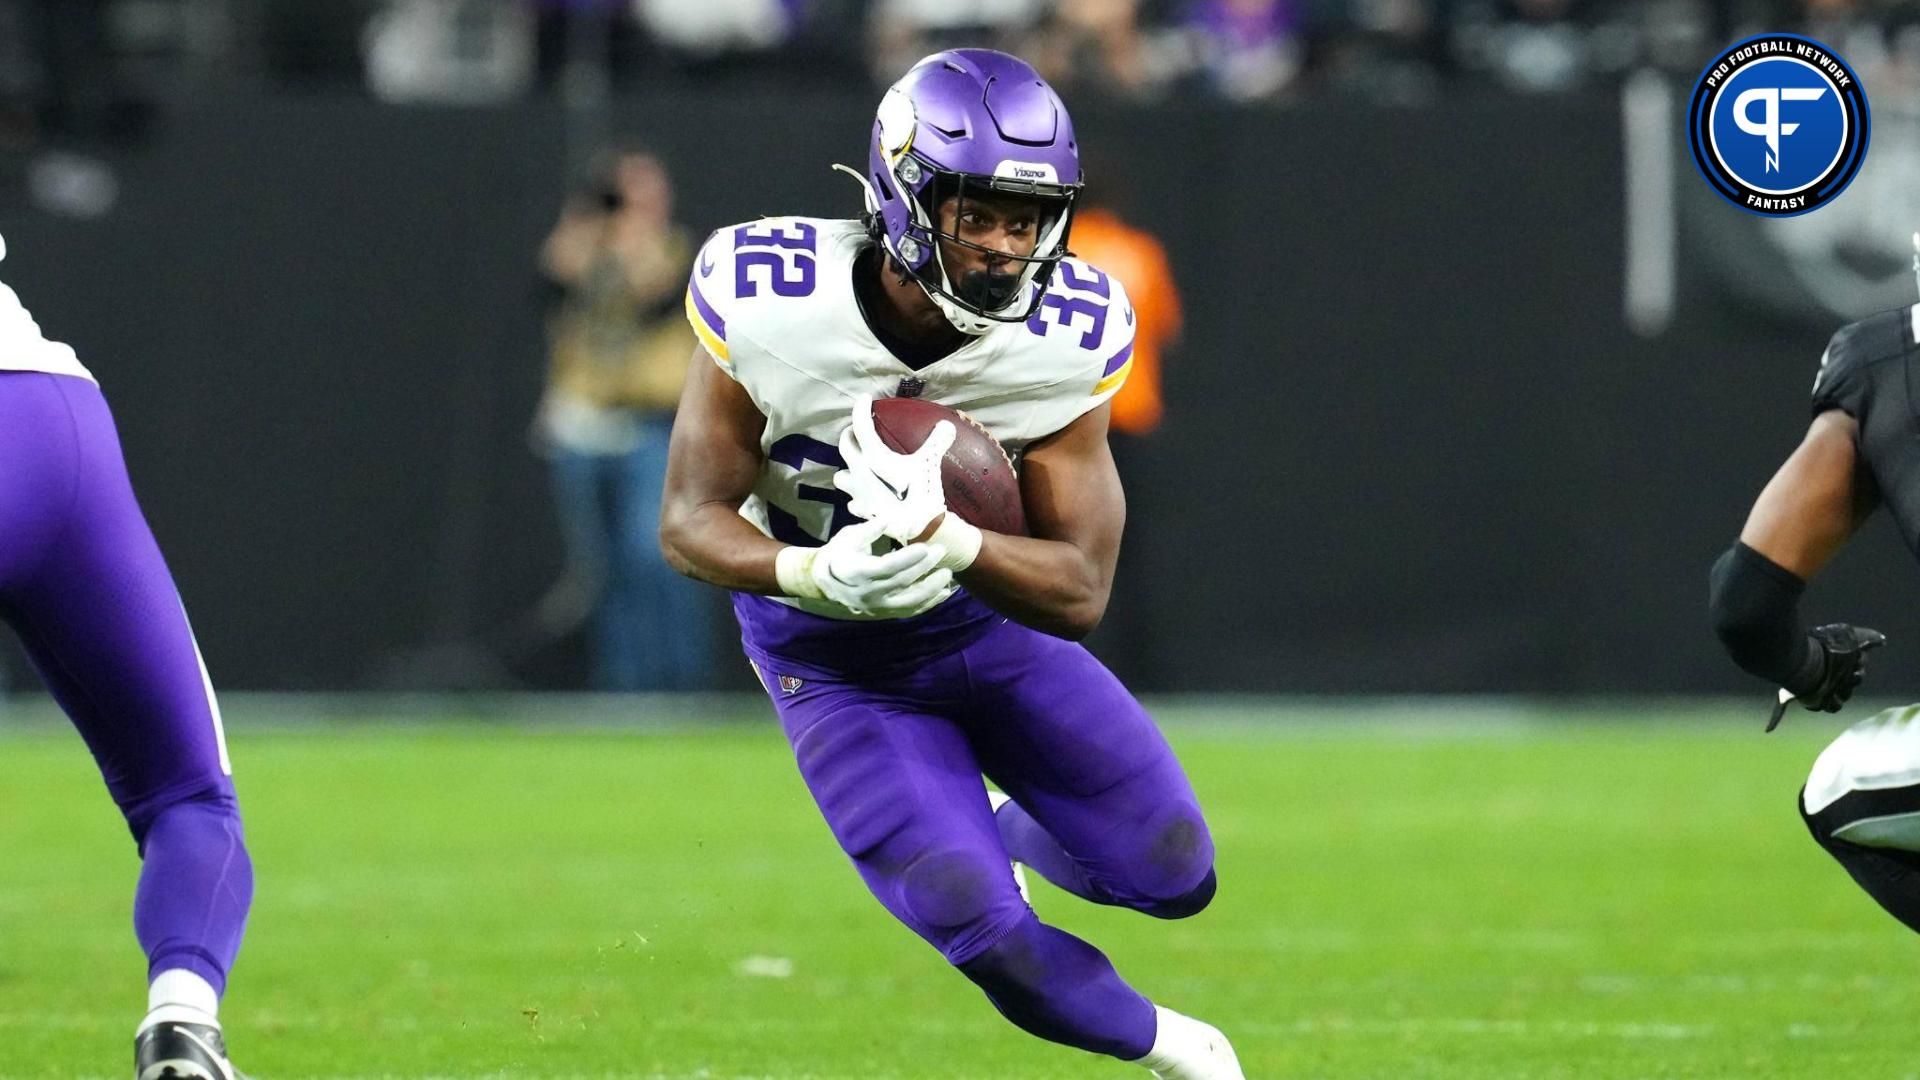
<point>976,474</point>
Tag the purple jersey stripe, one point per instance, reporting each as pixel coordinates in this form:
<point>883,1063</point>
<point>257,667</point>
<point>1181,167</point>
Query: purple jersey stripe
<point>712,318</point>
<point>1119,360</point>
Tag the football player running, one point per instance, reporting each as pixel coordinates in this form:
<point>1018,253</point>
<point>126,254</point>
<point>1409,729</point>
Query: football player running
<point>901,677</point>
<point>1862,800</point>
<point>84,586</point>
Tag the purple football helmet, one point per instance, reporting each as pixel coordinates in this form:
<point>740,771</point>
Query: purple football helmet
<point>972,122</point>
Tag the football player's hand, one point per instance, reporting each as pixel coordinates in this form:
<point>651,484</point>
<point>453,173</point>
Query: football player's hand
<point>1843,651</point>
<point>902,582</point>
<point>902,492</point>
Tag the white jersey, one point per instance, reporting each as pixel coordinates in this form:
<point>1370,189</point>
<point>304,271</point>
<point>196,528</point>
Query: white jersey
<point>773,302</point>
<point>23,347</point>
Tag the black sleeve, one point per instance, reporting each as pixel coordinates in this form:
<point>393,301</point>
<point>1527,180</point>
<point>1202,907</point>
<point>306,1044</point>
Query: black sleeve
<point>1844,381</point>
<point>1754,603</point>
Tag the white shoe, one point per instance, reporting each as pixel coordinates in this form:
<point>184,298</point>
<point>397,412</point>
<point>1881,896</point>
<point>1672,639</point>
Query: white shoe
<point>996,800</point>
<point>1186,1049</point>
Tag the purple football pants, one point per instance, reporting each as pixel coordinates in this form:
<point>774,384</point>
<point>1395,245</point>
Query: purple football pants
<point>83,585</point>
<point>1101,808</point>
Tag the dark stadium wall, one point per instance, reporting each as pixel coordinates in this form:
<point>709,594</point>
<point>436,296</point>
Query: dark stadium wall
<point>1411,446</point>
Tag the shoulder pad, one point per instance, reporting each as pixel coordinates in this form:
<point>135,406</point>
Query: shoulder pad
<point>1844,382</point>
<point>1088,322</point>
<point>741,268</point>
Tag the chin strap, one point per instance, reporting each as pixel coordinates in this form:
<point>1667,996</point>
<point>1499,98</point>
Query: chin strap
<point>962,320</point>
<point>866,189</point>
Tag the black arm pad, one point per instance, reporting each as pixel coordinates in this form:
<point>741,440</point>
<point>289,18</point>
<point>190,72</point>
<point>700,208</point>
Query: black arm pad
<point>1755,607</point>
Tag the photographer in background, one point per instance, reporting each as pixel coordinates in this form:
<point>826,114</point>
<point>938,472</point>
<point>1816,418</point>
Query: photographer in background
<point>615,266</point>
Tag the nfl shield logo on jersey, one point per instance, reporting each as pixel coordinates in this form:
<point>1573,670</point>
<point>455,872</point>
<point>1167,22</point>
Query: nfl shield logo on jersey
<point>790,685</point>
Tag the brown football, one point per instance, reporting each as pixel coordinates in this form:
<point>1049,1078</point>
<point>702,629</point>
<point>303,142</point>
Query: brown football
<point>976,473</point>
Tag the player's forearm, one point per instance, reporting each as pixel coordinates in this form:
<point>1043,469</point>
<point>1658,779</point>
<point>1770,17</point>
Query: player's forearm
<point>1754,603</point>
<point>711,542</point>
<point>1049,585</point>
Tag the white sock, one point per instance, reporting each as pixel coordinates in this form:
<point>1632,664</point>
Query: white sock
<point>1184,1047</point>
<point>180,996</point>
<point>1168,1044</point>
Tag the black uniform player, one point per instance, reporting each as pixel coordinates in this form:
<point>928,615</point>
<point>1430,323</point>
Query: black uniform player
<point>1862,800</point>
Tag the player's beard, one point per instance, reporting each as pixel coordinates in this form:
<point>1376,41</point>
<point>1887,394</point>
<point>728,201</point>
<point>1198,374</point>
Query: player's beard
<point>987,290</point>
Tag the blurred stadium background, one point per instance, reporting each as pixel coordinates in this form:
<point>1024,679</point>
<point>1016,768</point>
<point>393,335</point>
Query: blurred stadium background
<point>1474,370</point>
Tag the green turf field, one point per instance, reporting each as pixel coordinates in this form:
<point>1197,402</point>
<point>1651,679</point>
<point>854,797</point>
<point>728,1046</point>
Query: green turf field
<point>1621,896</point>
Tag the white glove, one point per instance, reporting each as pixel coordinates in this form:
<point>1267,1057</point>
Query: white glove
<point>903,582</point>
<point>900,492</point>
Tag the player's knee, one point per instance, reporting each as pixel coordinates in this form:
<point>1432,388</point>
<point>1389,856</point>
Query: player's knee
<point>1175,870</point>
<point>1820,826</point>
<point>962,900</point>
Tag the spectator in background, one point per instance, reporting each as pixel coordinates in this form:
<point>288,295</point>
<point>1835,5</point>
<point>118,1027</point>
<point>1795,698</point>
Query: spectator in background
<point>62,98</point>
<point>1529,46</point>
<point>1096,45</point>
<point>711,27</point>
<point>1387,51</point>
<point>617,265</point>
<point>903,31</point>
<point>453,52</point>
<point>1247,50</point>
<point>1124,640</point>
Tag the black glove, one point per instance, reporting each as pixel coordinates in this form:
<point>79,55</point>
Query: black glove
<point>1843,663</point>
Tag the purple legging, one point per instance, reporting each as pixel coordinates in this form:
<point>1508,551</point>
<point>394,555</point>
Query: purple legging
<point>1102,809</point>
<point>84,586</point>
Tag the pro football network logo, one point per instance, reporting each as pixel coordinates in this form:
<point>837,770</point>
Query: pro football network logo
<point>1778,124</point>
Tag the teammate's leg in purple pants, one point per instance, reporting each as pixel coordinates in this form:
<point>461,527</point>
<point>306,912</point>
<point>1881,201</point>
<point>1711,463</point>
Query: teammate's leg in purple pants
<point>84,586</point>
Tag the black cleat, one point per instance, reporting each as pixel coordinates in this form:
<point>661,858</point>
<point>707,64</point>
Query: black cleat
<point>175,1050</point>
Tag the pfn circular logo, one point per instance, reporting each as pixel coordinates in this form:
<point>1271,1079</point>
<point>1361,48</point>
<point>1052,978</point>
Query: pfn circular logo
<point>1778,124</point>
